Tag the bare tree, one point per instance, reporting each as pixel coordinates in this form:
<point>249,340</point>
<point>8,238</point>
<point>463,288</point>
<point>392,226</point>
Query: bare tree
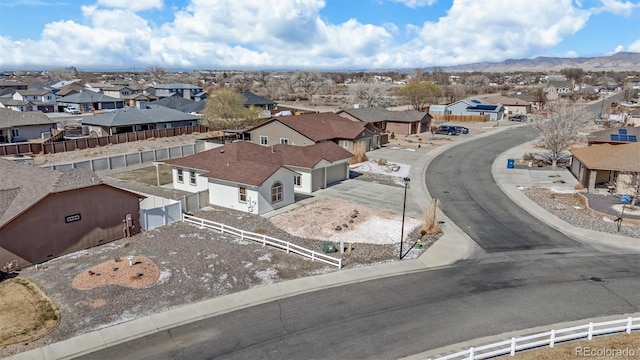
<point>157,73</point>
<point>369,93</point>
<point>310,82</point>
<point>455,92</point>
<point>226,109</point>
<point>420,93</point>
<point>242,82</point>
<point>560,128</point>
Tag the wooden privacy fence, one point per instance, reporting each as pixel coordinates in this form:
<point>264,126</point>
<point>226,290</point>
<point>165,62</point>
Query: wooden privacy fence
<point>548,338</point>
<point>264,240</point>
<point>461,118</point>
<point>92,142</point>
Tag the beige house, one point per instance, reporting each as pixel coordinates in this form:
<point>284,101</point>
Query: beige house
<point>512,106</point>
<point>309,129</point>
<point>46,213</point>
<point>607,167</point>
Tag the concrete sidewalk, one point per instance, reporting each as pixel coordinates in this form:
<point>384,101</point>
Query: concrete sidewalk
<point>454,245</point>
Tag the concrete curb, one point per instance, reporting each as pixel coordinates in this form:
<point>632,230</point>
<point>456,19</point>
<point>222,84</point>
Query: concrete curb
<point>599,240</point>
<point>435,353</point>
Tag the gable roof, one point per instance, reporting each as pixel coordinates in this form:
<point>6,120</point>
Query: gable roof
<point>39,92</point>
<point>24,185</point>
<point>177,86</point>
<point>320,126</point>
<point>247,163</point>
<point>173,102</point>
<point>135,116</point>
<point>622,157</point>
<point>560,84</point>
<point>253,99</point>
<point>87,97</point>
<point>499,99</point>
<point>11,118</point>
<point>379,113</point>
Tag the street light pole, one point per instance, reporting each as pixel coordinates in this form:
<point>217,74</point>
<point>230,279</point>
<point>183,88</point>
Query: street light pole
<point>404,208</point>
<point>601,107</point>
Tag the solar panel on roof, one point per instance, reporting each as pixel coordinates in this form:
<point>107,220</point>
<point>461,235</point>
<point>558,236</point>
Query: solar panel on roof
<point>615,137</point>
<point>633,138</point>
<point>624,137</point>
<point>475,101</point>
<point>485,107</point>
<point>622,131</point>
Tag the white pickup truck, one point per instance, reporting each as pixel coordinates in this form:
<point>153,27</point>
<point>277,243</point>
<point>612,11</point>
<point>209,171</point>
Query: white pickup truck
<point>72,110</point>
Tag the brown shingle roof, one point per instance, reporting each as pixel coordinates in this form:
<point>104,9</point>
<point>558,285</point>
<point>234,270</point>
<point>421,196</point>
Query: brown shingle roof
<point>21,185</point>
<point>251,164</point>
<point>624,157</point>
<point>322,126</point>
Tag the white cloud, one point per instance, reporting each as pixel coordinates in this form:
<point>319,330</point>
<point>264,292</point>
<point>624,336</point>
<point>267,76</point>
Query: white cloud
<point>476,31</point>
<point>133,5</point>
<point>416,3</point>
<point>622,8</point>
<point>618,49</point>
<point>635,46</point>
<point>257,34</point>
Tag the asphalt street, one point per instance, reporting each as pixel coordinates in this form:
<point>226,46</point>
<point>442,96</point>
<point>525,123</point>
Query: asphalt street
<point>461,179</point>
<point>536,276</point>
<point>404,315</point>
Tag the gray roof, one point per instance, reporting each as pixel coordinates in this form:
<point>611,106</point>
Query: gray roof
<point>173,102</point>
<point>378,113</point>
<point>87,97</point>
<point>253,99</point>
<point>11,118</point>
<point>33,92</point>
<point>24,185</point>
<point>177,86</point>
<point>135,116</point>
<point>13,102</point>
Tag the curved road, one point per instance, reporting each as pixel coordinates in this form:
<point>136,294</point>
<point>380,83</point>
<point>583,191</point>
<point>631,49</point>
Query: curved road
<point>461,178</point>
<point>408,314</point>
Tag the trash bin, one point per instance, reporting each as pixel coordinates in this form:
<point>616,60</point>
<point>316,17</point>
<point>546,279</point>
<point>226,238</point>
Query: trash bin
<point>510,163</point>
<point>329,247</point>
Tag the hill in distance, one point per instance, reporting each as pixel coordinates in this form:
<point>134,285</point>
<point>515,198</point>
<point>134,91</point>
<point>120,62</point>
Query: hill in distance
<point>621,61</point>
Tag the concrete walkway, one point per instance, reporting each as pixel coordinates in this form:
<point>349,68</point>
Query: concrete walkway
<point>454,245</point>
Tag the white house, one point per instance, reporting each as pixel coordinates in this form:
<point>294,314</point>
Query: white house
<point>253,178</point>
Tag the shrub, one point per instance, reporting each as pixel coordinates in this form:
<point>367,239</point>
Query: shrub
<point>359,152</point>
<point>430,224</point>
<point>392,136</point>
<point>382,162</point>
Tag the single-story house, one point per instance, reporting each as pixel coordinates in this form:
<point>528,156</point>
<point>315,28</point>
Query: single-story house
<point>606,165</point>
<point>474,106</point>
<point>88,100</point>
<point>308,129</point>
<point>139,100</point>
<point>512,106</point>
<point>47,213</point>
<point>248,177</point>
<point>407,122</point>
<point>15,105</point>
<point>257,101</point>
<point>18,126</point>
<point>134,119</point>
<point>614,136</point>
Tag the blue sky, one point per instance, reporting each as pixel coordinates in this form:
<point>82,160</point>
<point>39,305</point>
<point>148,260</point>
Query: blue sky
<point>307,34</point>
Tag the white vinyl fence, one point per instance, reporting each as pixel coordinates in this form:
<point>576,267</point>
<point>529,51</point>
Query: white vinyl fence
<point>151,218</point>
<point>264,240</point>
<point>548,338</point>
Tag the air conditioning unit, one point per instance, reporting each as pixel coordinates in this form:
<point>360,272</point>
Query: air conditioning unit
<point>45,135</point>
<point>85,130</point>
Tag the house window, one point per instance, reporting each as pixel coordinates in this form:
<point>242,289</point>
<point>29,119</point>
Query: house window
<point>284,141</point>
<point>15,133</point>
<point>242,194</point>
<point>192,178</point>
<point>166,126</point>
<point>180,176</point>
<point>264,140</point>
<point>345,144</point>
<point>297,180</point>
<point>276,192</point>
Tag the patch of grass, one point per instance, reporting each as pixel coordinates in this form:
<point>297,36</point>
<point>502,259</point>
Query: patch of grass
<point>147,175</point>
<point>27,312</point>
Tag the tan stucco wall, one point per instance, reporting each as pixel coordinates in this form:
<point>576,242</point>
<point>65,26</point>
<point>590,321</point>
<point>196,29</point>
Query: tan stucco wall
<point>41,233</point>
<point>276,130</point>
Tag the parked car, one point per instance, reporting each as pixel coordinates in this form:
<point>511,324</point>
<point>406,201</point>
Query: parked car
<point>447,129</point>
<point>518,117</point>
<point>72,110</point>
<point>462,129</point>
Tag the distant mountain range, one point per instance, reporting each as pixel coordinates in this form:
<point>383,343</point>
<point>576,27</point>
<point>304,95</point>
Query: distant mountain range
<point>622,61</point>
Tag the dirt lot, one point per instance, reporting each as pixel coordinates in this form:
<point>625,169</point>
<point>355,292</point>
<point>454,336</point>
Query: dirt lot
<point>27,313</point>
<point>146,175</point>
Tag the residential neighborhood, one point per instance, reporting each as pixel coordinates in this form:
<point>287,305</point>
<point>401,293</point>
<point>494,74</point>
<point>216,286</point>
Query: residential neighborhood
<point>152,187</point>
